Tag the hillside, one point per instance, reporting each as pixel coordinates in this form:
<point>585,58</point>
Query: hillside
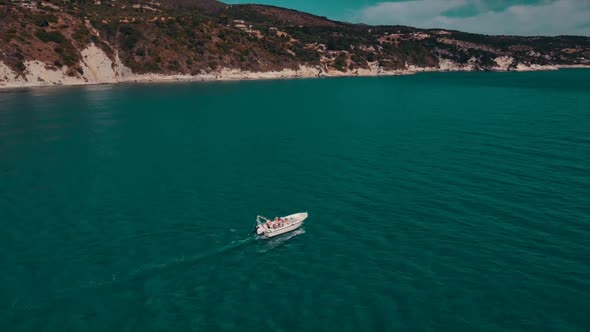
<point>57,42</point>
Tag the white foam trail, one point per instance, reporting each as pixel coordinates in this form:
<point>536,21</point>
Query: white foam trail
<point>119,279</point>
<point>281,239</point>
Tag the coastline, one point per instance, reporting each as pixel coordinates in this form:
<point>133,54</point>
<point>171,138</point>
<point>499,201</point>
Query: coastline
<point>98,69</point>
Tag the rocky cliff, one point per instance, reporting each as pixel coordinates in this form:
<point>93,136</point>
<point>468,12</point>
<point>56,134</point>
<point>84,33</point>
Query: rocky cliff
<point>103,41</point>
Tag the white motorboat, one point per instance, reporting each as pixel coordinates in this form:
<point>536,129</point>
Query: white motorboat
<point>270,228</point>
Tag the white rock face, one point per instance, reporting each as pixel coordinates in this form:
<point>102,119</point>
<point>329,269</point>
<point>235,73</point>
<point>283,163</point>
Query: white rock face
<point>8,75</point>
<point>534,67</point>
<point>39,73</point>
<point>448,65</point>
<point>416,69</point>
<point>503,62</point>
<point>97,66</point>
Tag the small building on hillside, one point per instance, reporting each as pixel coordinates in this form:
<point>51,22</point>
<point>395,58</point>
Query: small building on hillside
<point>25,3</point>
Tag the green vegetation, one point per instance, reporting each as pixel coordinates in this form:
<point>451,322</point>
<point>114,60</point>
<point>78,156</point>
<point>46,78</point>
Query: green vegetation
<point>8,36</point>
<point>174,65</point>
<point>81,35</point>
<point>191,36</point>
<point>340,62</point>
<point>20,66</point>
<point>66,50</point>
<point>130,36</point>
<point>43,20</point>
<point>51,36</point>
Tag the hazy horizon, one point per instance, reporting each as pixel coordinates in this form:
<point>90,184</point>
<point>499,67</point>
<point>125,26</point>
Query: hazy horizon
<point>494,17</point>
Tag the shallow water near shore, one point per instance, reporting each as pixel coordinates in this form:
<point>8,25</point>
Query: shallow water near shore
<point>442,201</point>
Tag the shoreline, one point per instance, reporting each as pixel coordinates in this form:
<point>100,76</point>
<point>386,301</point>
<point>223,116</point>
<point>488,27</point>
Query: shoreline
<point>99,69</point>
<point>258,76</point>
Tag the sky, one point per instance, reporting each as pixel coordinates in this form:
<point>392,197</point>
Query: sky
<point>505,17</point>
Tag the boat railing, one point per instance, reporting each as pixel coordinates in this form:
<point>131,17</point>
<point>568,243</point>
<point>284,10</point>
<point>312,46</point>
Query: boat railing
<point>285,225</point>
<point>260,219</point>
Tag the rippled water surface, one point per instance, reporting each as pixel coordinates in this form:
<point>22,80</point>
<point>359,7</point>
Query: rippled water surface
<point>437,202</point>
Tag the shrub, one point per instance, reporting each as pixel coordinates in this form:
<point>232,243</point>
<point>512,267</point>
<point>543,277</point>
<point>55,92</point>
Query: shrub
<point>337,43</point>
<point>174,65</point>
<point>69,58</point>
<point>306,55</point>
<point>130,36</point>
<point>196,20</point>
<point>340,62</point>
<point>44,20</point>
<point>8,37</point>
<point>20,66</point>
<point>80,34</point>
<point>171,29</point>
<point>52,36</point>
<point>357,57</point>
<point>65,48</point>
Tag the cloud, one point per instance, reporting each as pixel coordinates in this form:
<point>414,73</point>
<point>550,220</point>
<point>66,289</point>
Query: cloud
<point>558,17</point>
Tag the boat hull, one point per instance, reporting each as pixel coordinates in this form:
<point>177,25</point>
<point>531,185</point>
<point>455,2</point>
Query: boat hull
<point>294,222</point>
<point>282,230</point>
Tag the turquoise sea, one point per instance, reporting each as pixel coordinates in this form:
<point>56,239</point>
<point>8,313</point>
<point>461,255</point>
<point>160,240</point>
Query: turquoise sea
<point>437,202</point>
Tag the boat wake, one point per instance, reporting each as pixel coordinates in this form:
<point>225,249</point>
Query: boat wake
<point>125,279</point>
<point>149,270</point>
<point>273,243</point>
